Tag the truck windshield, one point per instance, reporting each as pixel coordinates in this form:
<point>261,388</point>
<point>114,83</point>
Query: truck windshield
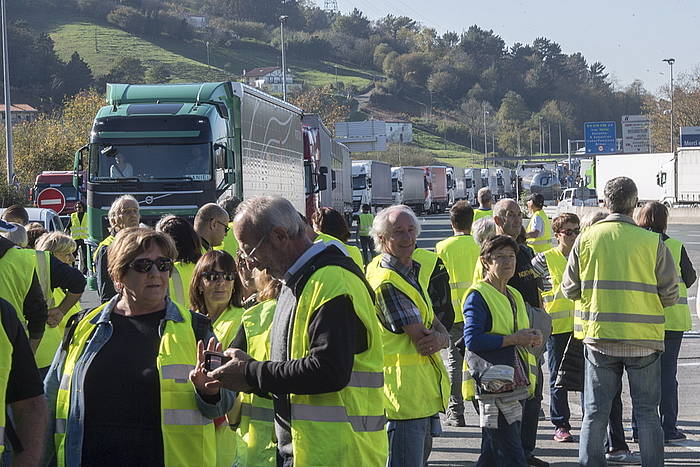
<point>359,182</point>
<point>152,162</point>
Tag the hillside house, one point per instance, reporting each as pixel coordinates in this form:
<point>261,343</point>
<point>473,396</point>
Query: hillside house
<point>269,79</point>
<point>20,113</point>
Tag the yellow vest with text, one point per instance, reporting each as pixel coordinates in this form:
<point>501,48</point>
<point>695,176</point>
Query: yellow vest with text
<point>17,268</point>
<point>678,316</point>
<point>257,425</point>
<point>78,228</point>
<point>345,427</point>
<point>415,386</point>
<point>188,437</point>
<point>353,251</point>
<point>6,350</point>
<point>619,296</point>
<point>481,213</point>
<point>179,283</point>
<point>460,253</point>
<point>544,241</point>
<point>365,224</point>
<point>560,308</point>
<point>502,325</point>
<point>229,244</point>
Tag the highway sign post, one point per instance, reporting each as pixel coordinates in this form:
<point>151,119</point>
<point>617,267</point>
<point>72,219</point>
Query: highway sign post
<point>51,198</point>
<point>636,134</point>
<point>600,137</point>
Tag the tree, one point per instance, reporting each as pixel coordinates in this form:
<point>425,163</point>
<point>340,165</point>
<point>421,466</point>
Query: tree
<point>127,70</point>
<point>513,108</point>
<point>322,101</point>
<point>355,24</point>
<point>77,75</point>
<point>158,73</point>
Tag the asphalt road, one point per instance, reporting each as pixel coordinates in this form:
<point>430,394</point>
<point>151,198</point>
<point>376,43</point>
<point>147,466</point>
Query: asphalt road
<point>461,446</point>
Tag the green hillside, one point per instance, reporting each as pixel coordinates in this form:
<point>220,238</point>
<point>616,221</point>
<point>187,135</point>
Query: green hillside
<point>101,45</point>
<point>453,154</point>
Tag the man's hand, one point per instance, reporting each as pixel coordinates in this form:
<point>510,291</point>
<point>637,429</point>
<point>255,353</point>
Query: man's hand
<point>431,342</point>
<point>528,337</point>
<point>55,315</point>
<point>199,376</point>
<point>232,374</point>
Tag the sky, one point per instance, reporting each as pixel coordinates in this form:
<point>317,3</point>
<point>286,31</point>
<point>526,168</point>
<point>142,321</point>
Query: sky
<point>631,38</point>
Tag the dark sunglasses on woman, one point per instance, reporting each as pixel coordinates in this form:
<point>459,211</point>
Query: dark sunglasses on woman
<point>144,265</point>
<point>214,276</point>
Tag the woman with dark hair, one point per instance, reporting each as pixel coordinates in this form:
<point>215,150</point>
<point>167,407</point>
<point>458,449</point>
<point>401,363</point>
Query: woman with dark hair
<point>215,291</point>
<point>495,318</point>
<point>330,225</point>
<point>189,251</point>
<point>654,216</point>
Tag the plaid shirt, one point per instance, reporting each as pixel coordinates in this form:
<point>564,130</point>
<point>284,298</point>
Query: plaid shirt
<point>394,308</point>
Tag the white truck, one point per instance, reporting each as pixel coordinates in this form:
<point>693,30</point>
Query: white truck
<point>371,184</point>
<point>408,187</point>
<point>504,181</point>
<point>679,178</point>
<point>489,180</point>
<point>341,179</point>
<point>437,183</point>
<point>472,182</point>
<point>457,186</point>
<point>642,168</point>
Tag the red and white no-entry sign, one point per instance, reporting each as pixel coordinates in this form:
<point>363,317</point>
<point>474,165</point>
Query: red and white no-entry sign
<point>51,198</point>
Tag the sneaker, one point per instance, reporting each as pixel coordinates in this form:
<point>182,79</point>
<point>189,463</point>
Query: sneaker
<point>453,419</point>
<point>562,435</point>
<point>623,458</point>
<point>677,435</point>
<point>532,460</point>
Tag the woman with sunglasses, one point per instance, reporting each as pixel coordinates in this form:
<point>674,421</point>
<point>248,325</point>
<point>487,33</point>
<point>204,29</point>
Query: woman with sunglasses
<point>189,250</point>
<point>128,385</point>
<point>215,292</point>
<point>330,225</point>
<point>550,266</point>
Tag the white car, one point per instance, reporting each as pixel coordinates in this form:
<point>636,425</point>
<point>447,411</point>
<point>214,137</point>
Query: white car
<point>46,217</point>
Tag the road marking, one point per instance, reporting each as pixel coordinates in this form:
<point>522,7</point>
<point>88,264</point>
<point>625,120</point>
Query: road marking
<point>693,235</point>
<point>692,243</point>
<point>689,364</point>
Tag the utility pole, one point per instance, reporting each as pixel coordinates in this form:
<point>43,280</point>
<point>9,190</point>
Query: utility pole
<point>560,138</point>
<point>486,149</point>
<point>549,136</point>
<point>96,49</point>
<point>518,141</point>
<point>670,62</point>
<point>541,137</point>
<point>8,102</point>
<point>283,19</point>
<point>208,61</point>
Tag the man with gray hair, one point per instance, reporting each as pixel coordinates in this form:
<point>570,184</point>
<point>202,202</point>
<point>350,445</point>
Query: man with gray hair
<point>325,375</point>
<point>623,276</point>
<point>485,199</point>
<point>416,381</point>
<point>211,224</point>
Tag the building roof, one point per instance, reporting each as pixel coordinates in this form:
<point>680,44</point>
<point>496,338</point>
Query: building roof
<point>18,108</point>
<point>256,72</point>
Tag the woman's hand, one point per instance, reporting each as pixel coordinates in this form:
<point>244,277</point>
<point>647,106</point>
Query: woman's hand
<point>528,337</point>
<point>205,385</point>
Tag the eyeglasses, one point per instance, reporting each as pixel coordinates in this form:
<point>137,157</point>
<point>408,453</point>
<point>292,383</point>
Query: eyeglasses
<point>128,210</point>
<point>215,276</point>
<point>226,227</point>
<point>570,232</point>
<point>248,257</point>
<point>143,265</point>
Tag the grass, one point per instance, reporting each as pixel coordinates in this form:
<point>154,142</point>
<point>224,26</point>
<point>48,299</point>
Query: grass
<point>455,154</point>
<point>187,61</point>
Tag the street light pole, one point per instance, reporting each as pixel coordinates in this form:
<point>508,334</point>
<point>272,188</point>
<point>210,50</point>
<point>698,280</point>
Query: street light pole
<point>486,149</point>
<point>541,143</point>
<point>8,102</point>
<point>283,19</point>
<point>670,62</point>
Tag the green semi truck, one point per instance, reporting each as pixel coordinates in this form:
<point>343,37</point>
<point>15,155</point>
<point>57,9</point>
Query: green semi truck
<point>175,147</point>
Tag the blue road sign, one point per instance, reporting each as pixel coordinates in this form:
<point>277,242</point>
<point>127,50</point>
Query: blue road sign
<point>600,137</point>
<point>690,136</point>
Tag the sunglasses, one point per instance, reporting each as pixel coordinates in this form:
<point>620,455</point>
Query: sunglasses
<point>143,265</point>
<point>570,232</point>
<point>214,276</point>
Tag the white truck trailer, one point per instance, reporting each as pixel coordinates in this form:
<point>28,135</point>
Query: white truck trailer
<point>371,184</point>
<point>408,187</point>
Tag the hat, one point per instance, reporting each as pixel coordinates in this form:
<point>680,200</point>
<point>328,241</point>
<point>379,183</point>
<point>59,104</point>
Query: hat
<point>7,227</point>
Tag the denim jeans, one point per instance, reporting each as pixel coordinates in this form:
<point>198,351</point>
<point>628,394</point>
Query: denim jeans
<point>367,247</point>
<point>558,397</point>
<point>668,407</point>
<point>410,442</point>
<point>531,417</point>
<point>615,441</point>
<point>603,380</point>
<point>502,447</point>
<point>454,369</point>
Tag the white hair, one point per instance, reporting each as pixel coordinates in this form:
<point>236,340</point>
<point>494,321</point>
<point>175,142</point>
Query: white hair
<point>18,236</point>
<point>381,227</point>
<point>119,204</point>
<point>483,229</point>
<point>592,218</point>
<point>267,212</point>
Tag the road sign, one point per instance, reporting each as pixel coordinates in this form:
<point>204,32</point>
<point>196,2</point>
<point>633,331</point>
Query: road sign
<point>600,137</point>
<point>51,198</point>
<point>690,136</point>
<point>635,133</point>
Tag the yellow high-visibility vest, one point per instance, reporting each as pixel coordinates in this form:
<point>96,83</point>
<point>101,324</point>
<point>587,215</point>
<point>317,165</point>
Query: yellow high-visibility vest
<point>678,315</point>
<point>365,221</point>
<point>480,213</point>
<point>229,244</point>
<point>17,268</point>
<point>353,251</point>
<point>78,228</point>
<point>179,283</point>
<point>560,308</point>
<point>5,367</point>
<point>460,253</point>
<point>544,241</point>
<point>416,386</point>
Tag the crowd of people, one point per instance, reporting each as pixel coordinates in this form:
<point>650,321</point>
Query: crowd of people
<point>328,354</point>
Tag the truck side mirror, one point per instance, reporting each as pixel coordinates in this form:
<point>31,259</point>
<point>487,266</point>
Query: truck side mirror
<point>78,168</point>
<point>322,179</point>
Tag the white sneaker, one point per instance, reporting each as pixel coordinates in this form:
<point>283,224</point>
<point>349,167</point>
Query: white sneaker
<point>623,458</point>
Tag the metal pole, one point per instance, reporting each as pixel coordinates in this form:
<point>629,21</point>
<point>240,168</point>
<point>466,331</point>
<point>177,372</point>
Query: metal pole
<point>671,61</point>
<point>430,115</point>
<point>485,140</point>
<point>8,102</point>
<point>568,149</point>
<point>208,59</point>
<point>559,137</point>
<point>541,152</point>
<point>518,141</point>
<point>549,136</point>
<point>284,59</point>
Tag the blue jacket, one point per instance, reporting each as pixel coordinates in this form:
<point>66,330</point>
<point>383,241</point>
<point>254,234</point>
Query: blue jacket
<point>74,424</point>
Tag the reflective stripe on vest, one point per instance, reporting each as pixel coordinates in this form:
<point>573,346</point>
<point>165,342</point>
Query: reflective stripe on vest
<point>355,414</point>
<point>78,228</point>
<point>256,427</point>
<point>415,386</point>
<point>460,254</point>
<point>502,324</point>
<point>188,437</point>
<point>560,308</point>
<point>619,292</point>
<point>544,241</point>
<point>678,316</point>
<point>365,221</point>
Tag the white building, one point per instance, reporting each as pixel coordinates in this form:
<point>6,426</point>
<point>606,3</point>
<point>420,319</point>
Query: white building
<point>20,113</point>
<point>269,79</point>
<point>399,131</point>
<point>197,22</point>
<point>366,136</point>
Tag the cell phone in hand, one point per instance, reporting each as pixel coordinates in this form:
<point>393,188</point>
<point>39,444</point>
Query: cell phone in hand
<point>213,360</point>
